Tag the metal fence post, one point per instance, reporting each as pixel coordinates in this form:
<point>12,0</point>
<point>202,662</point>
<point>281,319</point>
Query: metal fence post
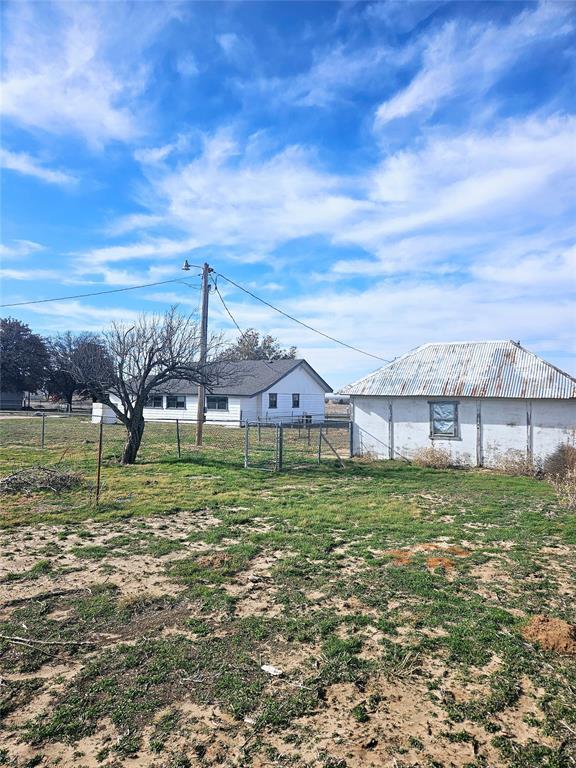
<point>178,436</point>
<point>320,444</point>
<point>279,447</point>
<point>247,444</point>
<point>351,438</point>
<point>43,429</point>
<point>99,461</point>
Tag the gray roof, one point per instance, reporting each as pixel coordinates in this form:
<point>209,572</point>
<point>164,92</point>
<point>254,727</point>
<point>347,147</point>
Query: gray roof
<point>468,369</point>
<point>246,378</point>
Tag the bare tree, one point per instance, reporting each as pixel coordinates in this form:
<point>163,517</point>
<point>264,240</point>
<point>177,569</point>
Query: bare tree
<point>143,358</point>
<point>68,352</point>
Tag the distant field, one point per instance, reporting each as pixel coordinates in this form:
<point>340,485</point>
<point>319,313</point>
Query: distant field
<point>397,602</point>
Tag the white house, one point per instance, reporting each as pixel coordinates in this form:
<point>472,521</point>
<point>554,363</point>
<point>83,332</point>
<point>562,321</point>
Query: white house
<point>248,390</point>
<point>481,401</point>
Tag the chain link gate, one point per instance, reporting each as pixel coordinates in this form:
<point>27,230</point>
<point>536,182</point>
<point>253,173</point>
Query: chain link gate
<point>281,446</point>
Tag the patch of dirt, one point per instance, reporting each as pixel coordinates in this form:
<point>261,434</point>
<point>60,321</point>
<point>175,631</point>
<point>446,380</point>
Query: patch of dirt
<point>399,722</point>
<point>403,557</point>
<point>132,573</point>
<point>551,634</point>
<point>216,560</point>
<point>253,588</point>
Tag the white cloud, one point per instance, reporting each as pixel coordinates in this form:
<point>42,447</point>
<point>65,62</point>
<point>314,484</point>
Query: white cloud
<point>467,60</point>
<point>473,183</point>
<point>334,75</point>
<point>63,315</point>
<point>26,164</point>
<point>20,249</point>
<point>540,271</point>
<point>31,274</point>
<point>77,68</point>
<point>93,260</point>
<point>232,198</point>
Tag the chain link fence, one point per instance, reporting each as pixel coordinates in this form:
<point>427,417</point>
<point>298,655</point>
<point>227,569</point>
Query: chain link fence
<point>290,446</point>
<point>75,433</point>
<point>265,445</point>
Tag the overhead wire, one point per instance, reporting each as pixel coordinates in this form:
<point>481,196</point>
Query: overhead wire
<point>301,322</point>
<point>231,316</point>
<point>183,280</point>
<point>99,293</point>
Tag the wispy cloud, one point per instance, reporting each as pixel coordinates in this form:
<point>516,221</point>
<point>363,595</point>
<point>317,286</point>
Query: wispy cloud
<point>334,75</point>
<point>230,196</point>
<point>94,259</point>
<point>462,59</point>
<point>74,68</point>
<point>472,181</point>
<point>26,164</point>
<point>20,249</point>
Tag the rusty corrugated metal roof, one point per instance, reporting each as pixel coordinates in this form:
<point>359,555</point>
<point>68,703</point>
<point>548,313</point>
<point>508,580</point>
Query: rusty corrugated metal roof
<point>468,369</point>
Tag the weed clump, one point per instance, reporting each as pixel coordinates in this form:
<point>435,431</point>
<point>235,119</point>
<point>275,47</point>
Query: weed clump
<point>433,457</point>
<point>560,469</point>
<point>561,462</point>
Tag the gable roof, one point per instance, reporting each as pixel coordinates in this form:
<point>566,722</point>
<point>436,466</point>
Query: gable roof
<point>468,369</point>
<point>246,378</point>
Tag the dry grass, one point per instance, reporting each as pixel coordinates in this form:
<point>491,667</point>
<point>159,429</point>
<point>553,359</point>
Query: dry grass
<point>515,462</point>
<point>433,457</point>
<point>33,479</point>
<point>565,487</point>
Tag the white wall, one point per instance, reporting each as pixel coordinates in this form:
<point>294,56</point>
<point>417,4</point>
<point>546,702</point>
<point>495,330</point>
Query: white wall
<point>297,381</point>
<point>239,410</point>
<point>489,428</point>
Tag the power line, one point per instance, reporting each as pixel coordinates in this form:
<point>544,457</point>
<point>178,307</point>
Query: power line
<point>301,322</point>
<point>231,316</point>
<point>98,293</point>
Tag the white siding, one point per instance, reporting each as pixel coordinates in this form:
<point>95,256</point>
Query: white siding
<point>237,406</point>
<point>241,409</point>
<point>311,398</point>
<point>528,428</point>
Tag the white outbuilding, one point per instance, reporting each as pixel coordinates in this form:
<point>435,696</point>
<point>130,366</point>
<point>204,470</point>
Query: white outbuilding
<point>482,401</point>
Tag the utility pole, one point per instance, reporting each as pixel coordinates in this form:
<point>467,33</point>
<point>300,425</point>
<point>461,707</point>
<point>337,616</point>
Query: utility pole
<point>203,352</point>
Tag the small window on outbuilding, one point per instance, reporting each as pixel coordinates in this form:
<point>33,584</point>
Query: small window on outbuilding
<point>444,420</point>
<point>295,400</point>
<point>216,403</point>
<point>176,401</point>
<point>155,401</point>
<point>272,400</point>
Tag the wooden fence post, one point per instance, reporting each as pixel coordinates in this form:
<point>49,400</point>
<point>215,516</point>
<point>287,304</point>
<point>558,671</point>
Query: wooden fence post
<point>43,428</point>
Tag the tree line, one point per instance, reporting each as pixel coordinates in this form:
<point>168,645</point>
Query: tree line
<point>122,366</point>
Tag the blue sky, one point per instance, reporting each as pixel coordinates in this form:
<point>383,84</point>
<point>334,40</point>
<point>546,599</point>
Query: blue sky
<point>392,173</point>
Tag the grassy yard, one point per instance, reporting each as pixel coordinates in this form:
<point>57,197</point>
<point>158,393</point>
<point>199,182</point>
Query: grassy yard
<point>393,600</point>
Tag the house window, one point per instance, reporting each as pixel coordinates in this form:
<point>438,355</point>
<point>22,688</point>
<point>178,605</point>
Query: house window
<point>295,400</point>
<point>155,401</point>
<point>214,403</point>
<point>272,400</point>
<point>175,401</point>
<point>444,420</point>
